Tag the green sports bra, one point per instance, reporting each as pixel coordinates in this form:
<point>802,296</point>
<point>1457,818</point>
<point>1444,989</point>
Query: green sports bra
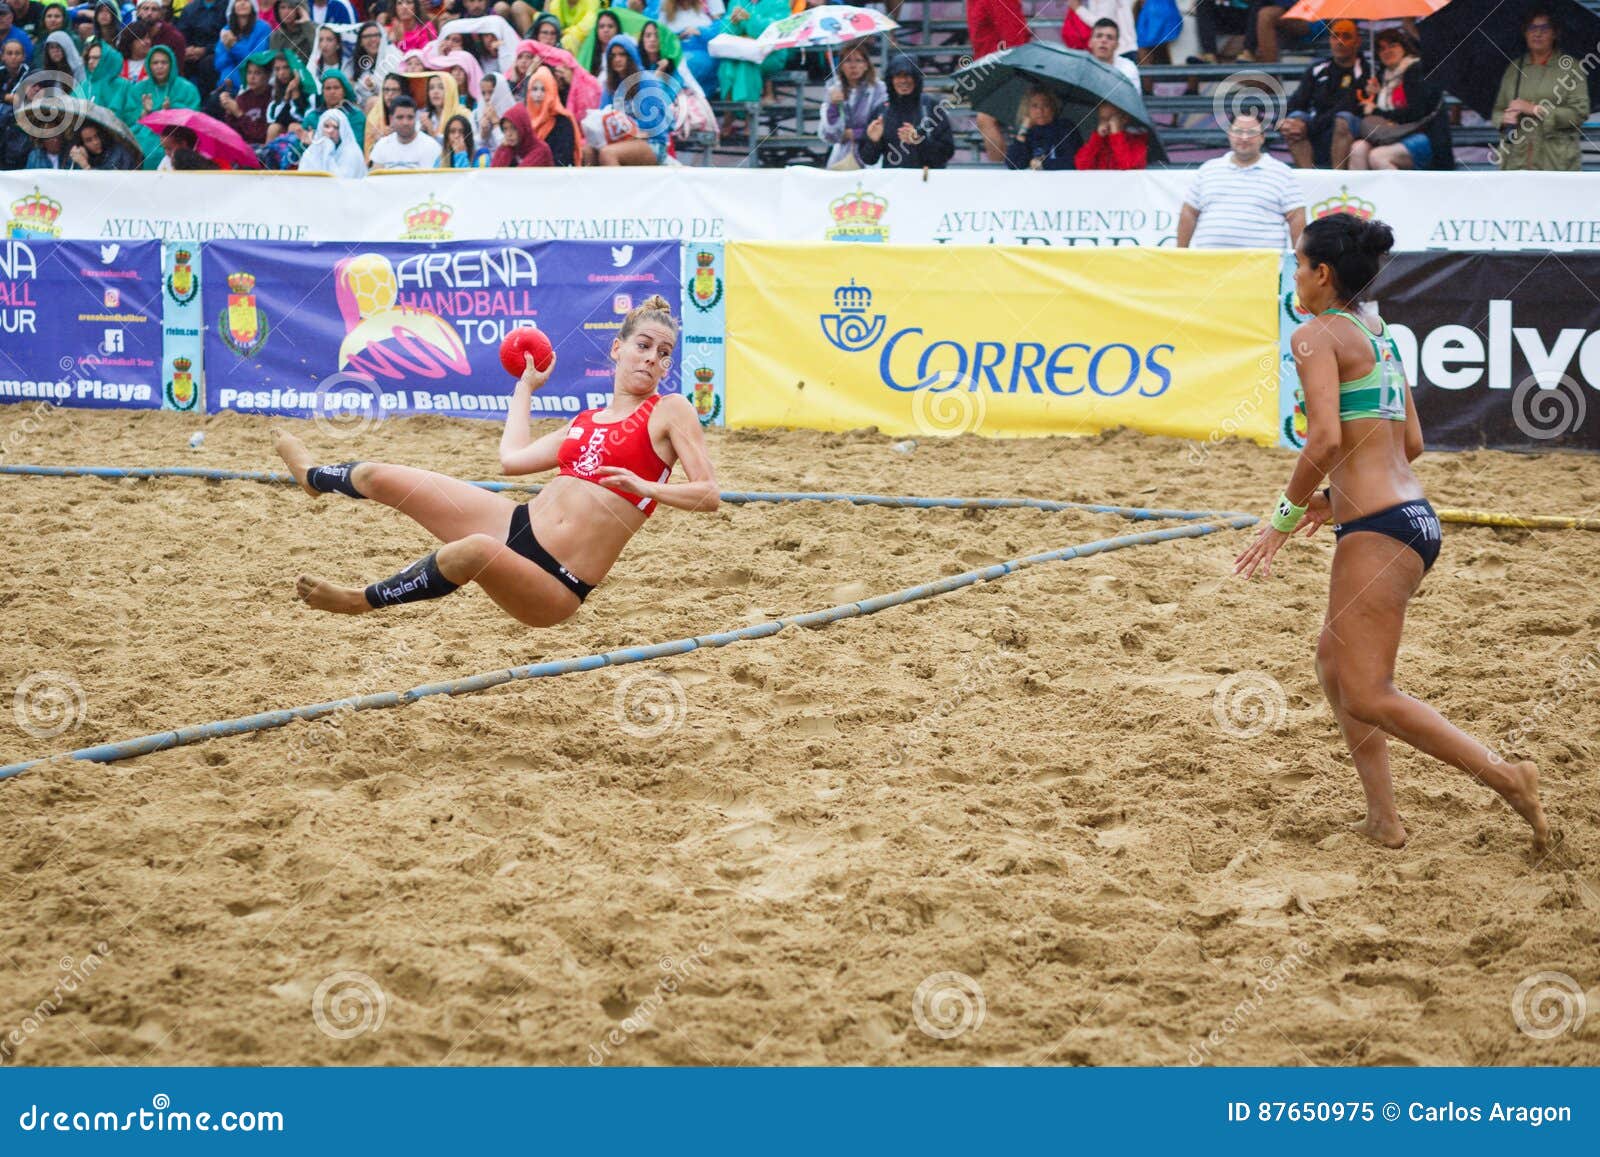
<point>1381,391</point>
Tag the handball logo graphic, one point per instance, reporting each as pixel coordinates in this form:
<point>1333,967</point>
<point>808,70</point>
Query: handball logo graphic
<point>1547,1004</point>
<point>648,102</point>
<point>387,340</point>
<point>948,1004</point>
<point>1249,94</point>
<point>941,409</point>
<point>48,703</point>
<point>1544,412</point>
<point>1249,703</point>
<point>850,329</point>
<point>348,1004</point>
<point>649,705</point>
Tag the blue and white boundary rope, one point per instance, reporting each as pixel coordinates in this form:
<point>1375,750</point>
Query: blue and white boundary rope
<point>144,745</point>
<point>733,496</point>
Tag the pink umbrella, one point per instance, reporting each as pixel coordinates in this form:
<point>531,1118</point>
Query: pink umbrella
<point>213,139</point>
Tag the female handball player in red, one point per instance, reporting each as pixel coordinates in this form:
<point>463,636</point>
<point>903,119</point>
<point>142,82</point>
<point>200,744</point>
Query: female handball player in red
<point>538,560</point>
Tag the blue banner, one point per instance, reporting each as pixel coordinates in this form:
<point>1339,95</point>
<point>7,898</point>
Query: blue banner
<point>804,1111</point>
<point>377,330</point>
<point>181,327</point>
<point>80,323</point>
<point>703,362</point>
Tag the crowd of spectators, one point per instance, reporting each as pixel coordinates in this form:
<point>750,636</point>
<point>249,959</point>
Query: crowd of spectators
<point>351,86</point>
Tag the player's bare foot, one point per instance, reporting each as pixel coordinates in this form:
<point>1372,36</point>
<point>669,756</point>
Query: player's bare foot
<point>295,456</point>
<point>1522,793</point>
<point>1389,833</point>
<point>326,596</point>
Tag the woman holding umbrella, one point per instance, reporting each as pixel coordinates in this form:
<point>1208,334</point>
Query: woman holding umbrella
<point>1403,125</point>
<point>99,150</point>
<point>848,109</point>
<point>1543,99</point>
<point>1043,141</point>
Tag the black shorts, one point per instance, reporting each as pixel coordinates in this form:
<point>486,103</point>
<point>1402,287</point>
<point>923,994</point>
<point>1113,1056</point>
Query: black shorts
<point>1413,523</point>
<point>522,541</point>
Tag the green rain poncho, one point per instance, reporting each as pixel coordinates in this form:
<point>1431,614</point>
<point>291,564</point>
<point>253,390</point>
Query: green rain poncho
<point>352,110</point>
<point>175,93</point>
<point>107,87</point>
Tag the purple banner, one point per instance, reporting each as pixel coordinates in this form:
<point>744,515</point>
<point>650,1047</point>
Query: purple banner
<point>312,331</point>
<point>80,323</point>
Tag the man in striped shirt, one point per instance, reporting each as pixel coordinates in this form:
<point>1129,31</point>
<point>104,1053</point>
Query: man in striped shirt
<point>1244,200</point>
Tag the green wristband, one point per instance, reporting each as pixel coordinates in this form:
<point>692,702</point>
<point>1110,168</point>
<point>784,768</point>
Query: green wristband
<point>1287,515</point>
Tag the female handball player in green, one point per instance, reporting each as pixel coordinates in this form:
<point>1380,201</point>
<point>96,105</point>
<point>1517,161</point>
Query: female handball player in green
<point>1362,434</point>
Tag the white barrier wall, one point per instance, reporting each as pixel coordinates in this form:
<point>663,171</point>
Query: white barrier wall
<point>1543,211</point>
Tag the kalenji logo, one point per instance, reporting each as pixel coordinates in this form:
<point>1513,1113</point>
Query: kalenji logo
<point>1459,357</point>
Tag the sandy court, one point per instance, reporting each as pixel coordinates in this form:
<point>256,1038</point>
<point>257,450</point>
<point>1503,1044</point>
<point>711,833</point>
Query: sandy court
<point>1025,782</point>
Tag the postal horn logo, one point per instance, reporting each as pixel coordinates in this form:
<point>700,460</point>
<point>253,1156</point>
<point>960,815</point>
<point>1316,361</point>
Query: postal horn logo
<point>1343,202</point>
<point>181,394</point>
<point>706,288</point>
<point>850,328</point>
<point>182,284</point>
<point>428,221</point>
<point>242,324</point>
<point>858,217</point>
<point>706,402</point>
<point>34,218</point>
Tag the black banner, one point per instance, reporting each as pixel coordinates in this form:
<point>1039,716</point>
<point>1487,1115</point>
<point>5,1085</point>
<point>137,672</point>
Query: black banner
<point>1503,349</point>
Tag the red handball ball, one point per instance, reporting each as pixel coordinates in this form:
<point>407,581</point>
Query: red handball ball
<point>521,342</point>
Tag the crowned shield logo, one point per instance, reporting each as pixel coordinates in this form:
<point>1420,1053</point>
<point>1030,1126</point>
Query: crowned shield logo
<point>242,325</point>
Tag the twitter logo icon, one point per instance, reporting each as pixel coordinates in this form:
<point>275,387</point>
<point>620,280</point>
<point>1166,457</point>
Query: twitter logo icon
<point>108,253</point>
<point>621,255</point>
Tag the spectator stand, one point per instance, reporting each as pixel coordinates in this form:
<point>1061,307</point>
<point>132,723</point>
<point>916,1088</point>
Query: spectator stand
<point>1181,98</point>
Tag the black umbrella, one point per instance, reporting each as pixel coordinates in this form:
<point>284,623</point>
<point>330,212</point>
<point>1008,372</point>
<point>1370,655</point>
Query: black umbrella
<point>52,114</point>
<point>1000,82</point>
<point>1467,45</point>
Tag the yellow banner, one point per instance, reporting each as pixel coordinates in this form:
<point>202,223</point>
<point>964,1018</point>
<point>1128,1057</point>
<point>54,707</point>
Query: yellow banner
<point>931,340</point>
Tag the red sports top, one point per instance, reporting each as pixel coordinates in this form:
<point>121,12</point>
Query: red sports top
<point>590,445</point>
